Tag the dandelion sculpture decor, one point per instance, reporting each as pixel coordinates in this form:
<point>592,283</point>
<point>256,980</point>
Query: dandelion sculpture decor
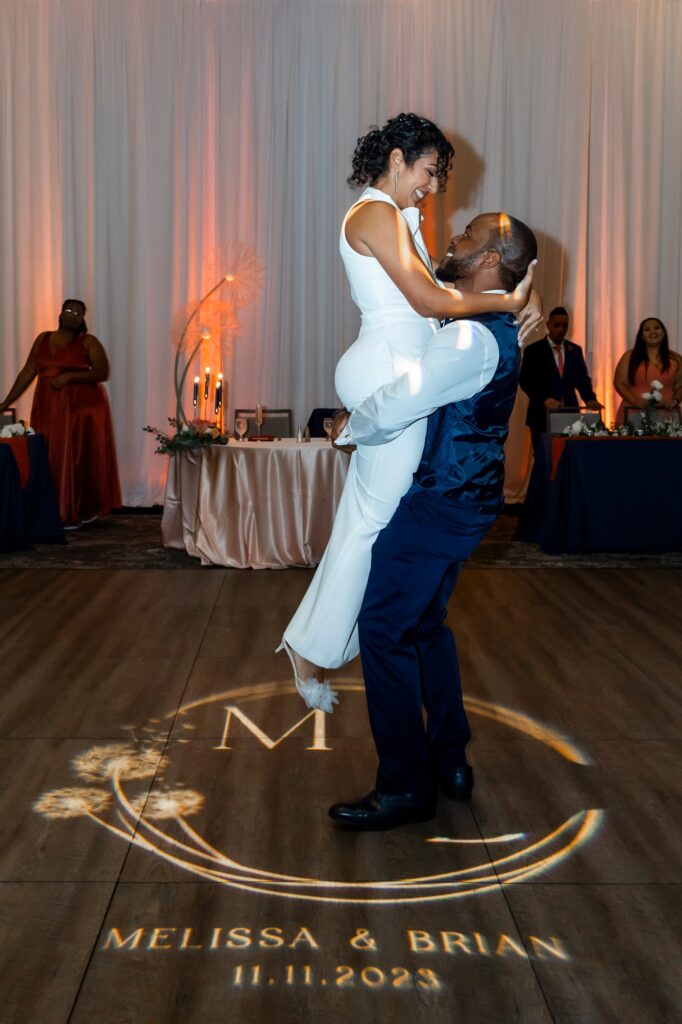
<point>212,324</point>
<point>207,328</point>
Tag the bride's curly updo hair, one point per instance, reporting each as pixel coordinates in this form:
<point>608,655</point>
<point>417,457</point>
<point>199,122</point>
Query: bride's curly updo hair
<point>410,133</point>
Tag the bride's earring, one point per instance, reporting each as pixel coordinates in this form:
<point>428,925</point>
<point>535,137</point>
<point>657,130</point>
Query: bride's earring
<point>395,183</point>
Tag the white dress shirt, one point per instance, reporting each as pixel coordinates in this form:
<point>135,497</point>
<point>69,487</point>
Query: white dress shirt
<point>458,363</point>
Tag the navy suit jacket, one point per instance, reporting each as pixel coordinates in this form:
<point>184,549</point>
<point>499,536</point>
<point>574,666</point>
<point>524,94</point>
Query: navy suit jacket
<point>540,379</point>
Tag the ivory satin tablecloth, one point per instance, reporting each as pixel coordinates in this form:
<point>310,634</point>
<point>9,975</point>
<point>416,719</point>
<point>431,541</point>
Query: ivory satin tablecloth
<point>258,505</point>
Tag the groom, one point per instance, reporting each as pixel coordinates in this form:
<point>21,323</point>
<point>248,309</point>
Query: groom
<point>466,383</point>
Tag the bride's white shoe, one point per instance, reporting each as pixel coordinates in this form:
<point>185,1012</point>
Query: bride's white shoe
<point>317,695</point>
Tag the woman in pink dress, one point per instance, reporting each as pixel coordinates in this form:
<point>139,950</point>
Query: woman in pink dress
<point>647,369</point>
<point>71,409</point>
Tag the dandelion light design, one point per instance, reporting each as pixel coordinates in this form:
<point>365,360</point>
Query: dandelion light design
<point>157,821</point>
<point>206,328</point>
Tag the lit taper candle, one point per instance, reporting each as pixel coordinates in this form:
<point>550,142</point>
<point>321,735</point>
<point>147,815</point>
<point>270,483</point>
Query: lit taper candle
<point>195,393</point>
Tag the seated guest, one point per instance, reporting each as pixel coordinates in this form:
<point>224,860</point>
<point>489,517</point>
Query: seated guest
<point>650,360</point>
<point>552,371</point>
<point>71,409</point>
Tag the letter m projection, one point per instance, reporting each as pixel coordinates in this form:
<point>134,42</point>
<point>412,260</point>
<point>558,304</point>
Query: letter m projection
<point>318,730</point>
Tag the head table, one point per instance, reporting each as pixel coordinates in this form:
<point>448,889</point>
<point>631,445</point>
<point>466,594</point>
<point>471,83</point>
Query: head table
<point>605,494</point>
<point>254,504</point>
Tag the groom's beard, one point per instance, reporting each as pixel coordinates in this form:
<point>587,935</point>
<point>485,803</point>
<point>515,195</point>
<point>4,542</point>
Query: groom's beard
<point>455,268</point>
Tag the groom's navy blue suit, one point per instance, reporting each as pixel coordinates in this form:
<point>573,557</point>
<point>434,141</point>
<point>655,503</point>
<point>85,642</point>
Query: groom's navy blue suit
<point>408,655</point>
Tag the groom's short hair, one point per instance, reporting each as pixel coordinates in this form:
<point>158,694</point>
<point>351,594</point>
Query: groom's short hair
<point>517,247</point>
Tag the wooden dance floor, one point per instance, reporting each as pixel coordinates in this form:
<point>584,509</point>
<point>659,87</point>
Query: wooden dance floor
<point>166,855</point>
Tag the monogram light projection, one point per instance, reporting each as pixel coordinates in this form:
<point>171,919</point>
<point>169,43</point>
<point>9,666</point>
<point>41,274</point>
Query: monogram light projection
<point>157,821</point>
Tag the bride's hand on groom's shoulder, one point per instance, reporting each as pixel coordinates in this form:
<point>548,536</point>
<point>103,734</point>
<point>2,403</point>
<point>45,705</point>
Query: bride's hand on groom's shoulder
<point>338,426</point>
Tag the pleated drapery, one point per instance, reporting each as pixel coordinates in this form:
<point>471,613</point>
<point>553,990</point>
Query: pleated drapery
<point>140,135</point>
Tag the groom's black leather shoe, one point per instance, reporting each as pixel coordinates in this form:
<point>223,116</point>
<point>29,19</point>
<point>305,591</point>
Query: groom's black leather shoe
<point>459,783</point>
<point>378,811</point>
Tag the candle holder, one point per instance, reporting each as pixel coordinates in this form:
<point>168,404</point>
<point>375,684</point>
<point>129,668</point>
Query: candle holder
<point>218,411</point>
<point>237,269</point>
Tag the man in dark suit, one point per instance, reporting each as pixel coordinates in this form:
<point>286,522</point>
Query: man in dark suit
<point>465,382</point>
<point>552,371</point>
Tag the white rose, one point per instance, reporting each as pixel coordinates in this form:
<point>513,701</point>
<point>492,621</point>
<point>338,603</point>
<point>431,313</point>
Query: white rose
<point>15,430</point>
<point>657,385</point>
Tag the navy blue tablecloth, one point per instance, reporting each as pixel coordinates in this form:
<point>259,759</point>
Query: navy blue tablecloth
<point>608,494</point>
<point>30,515</point>
<point>11,502</point>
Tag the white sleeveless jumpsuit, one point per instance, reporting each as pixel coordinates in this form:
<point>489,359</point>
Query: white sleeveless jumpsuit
<point>392,335</point>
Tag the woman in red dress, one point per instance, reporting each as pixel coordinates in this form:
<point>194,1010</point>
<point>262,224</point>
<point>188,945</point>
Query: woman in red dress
<point>71,409</point>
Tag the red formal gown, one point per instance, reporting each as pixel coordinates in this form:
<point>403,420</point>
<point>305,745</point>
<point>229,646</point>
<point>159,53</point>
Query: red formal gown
<point>76,422</point>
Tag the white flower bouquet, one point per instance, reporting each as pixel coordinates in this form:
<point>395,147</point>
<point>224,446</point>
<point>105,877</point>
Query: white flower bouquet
<point>19,429</point>
<point>655,396</point>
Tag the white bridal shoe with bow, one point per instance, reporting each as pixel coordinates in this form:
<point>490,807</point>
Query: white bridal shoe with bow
<point>317,695</point>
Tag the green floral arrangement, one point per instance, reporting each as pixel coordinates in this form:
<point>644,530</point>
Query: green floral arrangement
<point>194,434</point>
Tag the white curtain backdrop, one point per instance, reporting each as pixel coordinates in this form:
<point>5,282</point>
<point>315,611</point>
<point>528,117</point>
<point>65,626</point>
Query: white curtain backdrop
<point>140,135</point>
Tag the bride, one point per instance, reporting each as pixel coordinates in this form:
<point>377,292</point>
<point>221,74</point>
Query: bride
<point>392,283</point>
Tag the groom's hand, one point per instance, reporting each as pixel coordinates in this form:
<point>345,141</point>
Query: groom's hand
<point>338,426</point>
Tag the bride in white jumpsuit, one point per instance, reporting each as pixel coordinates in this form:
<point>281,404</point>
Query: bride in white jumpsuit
<point>392,283</point>
<point>392,336</point>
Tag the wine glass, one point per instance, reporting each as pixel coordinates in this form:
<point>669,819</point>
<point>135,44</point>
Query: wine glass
<point>327,424</point>
<point>240,427</point>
